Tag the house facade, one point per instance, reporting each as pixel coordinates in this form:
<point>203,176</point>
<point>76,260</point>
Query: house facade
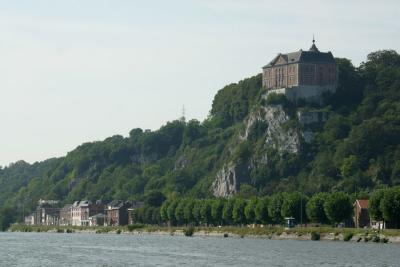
<point>301,75</point>
<point>47,213</point>
<point>83,213</point>
<point>66,215</point>
<point>97,220</point>
<point>361,215</point>
<point>30,220</point>
<point>117,212</point>
<point>82,210</point>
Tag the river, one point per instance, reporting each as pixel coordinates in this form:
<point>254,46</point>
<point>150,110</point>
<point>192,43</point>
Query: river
<point>52,249</point>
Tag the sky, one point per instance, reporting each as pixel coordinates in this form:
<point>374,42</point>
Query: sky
<point>77,71</point>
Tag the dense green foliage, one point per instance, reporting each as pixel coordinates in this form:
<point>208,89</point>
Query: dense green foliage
<point>389,207</point>
<point>239,211</point>
<point>338,207</point>
<point>356,149</point>
<point>315,208</point>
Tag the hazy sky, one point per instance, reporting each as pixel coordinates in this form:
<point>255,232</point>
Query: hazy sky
<point>78,71</point>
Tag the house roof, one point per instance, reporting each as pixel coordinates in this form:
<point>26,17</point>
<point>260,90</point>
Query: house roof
<point>362,203</point>
<point>82,203</point>
<point>117,204</point>
<point>313,55</point>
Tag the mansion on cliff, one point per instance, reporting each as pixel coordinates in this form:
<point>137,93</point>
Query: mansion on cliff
<point>302,74</point>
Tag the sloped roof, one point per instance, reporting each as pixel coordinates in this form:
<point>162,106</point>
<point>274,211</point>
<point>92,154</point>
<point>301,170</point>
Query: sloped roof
<point>117,204</point>
<point>313,55</point>
<point>82,203</point>
<point>362,203</point>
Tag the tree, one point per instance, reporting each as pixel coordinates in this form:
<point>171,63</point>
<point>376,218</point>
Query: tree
<point>249,210</point>
<point>154,198</point>
<point>390,207</point>
<point>261,210</point>
<point>246,190</point>
<point>171,211</point>
<point>164,210</point>
<point>196,211</point>
<point>238,211</point>
<point>338,207</point>
<point>7,216</point>
<point>227,211</point>
<point>374,204</point>
<point>294,205</point>
<point>205,211</point>
<point>148,214</point>
<point>217,207</point>
<point>315,208</point>
<point>274,208</point>
<point>188,211</point>
<point>179,212</point>
<point>350,89</point>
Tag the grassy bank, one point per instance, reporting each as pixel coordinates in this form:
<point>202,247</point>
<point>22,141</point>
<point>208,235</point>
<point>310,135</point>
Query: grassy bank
<point>270,232</point>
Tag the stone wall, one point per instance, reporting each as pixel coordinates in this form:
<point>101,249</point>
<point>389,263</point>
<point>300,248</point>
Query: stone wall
<point>308,93</point>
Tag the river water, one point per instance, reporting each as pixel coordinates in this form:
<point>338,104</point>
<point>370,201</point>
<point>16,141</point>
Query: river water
<point>52,249</point>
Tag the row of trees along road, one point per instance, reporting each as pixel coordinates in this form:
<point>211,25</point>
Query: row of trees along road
<point>325,208</point>
<point>384,205</point>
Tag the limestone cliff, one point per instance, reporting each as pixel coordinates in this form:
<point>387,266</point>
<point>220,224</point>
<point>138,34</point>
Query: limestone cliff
<point>279,135</point>
<point>225,184</point>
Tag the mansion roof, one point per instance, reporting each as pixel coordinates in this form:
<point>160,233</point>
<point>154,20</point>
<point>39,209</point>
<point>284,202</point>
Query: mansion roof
<point>313,55</point>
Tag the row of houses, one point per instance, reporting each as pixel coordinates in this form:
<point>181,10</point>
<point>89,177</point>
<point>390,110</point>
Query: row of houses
<point>83,213</point>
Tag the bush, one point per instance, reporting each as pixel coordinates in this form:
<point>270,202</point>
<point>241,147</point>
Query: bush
<point>118,231</point>
<point>69,231</point>
<point>60,230</point>
<point>102,230</point>
<point>276,99</point>
<point>315,236</point>
<point>376,239</point>
<point>135,226</point>
<point>384,240</point>
<point>188,231</point>
<point>347,236</point>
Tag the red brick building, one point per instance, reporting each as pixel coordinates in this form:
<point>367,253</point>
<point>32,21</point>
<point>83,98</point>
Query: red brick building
<point>301,74</point>
<point>361,215</point>
<point>117,213</point>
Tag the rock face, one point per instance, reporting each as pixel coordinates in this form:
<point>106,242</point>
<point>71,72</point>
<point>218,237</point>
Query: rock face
<point>225,183</point>
<point>181,162</point>
<point>278,135</point>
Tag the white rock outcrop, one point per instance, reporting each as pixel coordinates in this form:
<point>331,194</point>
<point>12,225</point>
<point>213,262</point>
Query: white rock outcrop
<point>225,183</point>
<point>278,135</point>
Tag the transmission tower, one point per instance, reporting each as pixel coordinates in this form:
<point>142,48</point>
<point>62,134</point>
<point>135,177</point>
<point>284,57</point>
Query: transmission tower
<point>183,118</point>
